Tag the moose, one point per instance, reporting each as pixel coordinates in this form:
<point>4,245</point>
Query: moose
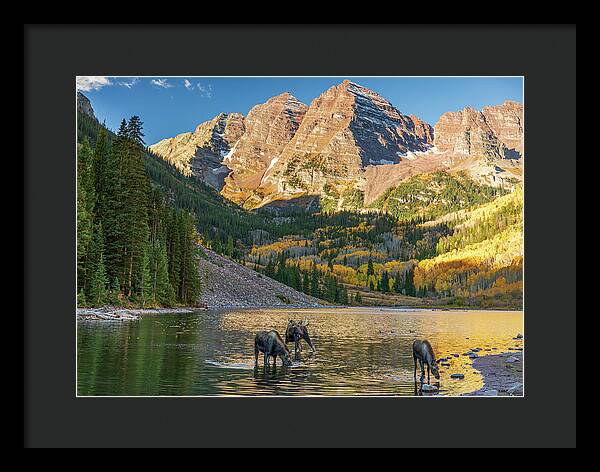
<point>296,331</point>
<point>423,352</point>
<point>271,345</point>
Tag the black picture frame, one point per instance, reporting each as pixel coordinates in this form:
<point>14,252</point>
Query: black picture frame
<point>54,55</point>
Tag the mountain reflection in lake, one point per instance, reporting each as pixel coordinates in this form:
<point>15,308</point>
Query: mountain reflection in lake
<point>360,351</point>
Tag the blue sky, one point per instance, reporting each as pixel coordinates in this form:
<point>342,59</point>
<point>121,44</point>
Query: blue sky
<point>173,105</point>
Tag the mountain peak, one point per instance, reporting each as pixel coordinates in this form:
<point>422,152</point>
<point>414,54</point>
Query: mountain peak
<point>287,99</point>
<point>84,105</point>
<point>495,132</point>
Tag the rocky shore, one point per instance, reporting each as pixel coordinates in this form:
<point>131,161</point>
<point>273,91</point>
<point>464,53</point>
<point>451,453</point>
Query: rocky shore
<point>502,374</point>
<point>112,313</point>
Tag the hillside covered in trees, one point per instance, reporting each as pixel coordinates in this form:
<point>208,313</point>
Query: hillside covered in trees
<point>472,256</point>
<point>437,238</point>
<point>132,248</point>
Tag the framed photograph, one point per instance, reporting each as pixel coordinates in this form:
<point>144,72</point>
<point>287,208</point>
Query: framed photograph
<point>332,248</point>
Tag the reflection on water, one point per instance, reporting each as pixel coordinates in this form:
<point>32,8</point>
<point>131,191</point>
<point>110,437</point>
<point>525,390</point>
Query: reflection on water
<point>359,351</point>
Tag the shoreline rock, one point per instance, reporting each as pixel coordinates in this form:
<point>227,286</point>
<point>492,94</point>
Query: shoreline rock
<point>502,375</point>
<point>112,313</point>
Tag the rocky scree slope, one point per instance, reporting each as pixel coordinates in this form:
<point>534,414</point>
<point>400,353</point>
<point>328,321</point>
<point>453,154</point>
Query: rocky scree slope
<point>228,284</point>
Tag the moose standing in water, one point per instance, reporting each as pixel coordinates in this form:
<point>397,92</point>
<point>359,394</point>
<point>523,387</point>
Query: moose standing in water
<point>423,352</point>
<point>296,331</point>
<point>271,344</point>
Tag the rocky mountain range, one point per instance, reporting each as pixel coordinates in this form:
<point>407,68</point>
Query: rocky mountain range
<point>487,144</point>
<point>348,142</point>
<point>201,152</point>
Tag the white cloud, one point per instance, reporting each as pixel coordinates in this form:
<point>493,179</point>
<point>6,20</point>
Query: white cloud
<point>162,83</point>
<point>129,83</point>
<point>205,90</point>
<point>91,82</point>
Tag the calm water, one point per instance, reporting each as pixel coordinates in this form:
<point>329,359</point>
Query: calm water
<point>360,351</point>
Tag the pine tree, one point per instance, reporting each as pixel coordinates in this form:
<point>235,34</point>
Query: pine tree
<point>343,294</point>
<point>306,283</point>
<point>270,268</point>
<point>85,209</point>
<point>314,282</point>
<point>370,269</point>
<point>173,247</point>
<point>134,132</point>
<point>385,281</point>
<point>112,205</point>
<point>331,289</point>
<point>96,290</point>
<point>144,282</point>
<point>409,285</point>
<point>189,290</point>
<point>398,285</point>
<point>103,180</point>
<point>135,208</point>
<point>162,290</point>
<point>229,251</point>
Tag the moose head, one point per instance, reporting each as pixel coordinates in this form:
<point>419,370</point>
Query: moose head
<point>297,331</point>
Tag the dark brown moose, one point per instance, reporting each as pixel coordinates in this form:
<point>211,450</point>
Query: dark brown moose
<point>423,352</point>
<point>271,345</point>
<point>295,332</point>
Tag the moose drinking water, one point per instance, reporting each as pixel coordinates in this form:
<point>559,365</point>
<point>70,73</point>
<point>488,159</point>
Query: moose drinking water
<point>296,331</point>
<point>271,344</point>
<point>423,352</point>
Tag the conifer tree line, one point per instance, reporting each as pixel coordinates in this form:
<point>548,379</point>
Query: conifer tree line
<point>132,248</point>
<point>313,282</point>
<point>326,286</point>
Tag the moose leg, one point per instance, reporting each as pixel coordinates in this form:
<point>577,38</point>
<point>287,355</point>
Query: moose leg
<point>255,354</point>
<point>415,372</point>
<point>308,340</point>
<point>275,360</point>
<point>266,359</point>
<point>422,370</point>
<point>296,347</point>
<point>428,381</point>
